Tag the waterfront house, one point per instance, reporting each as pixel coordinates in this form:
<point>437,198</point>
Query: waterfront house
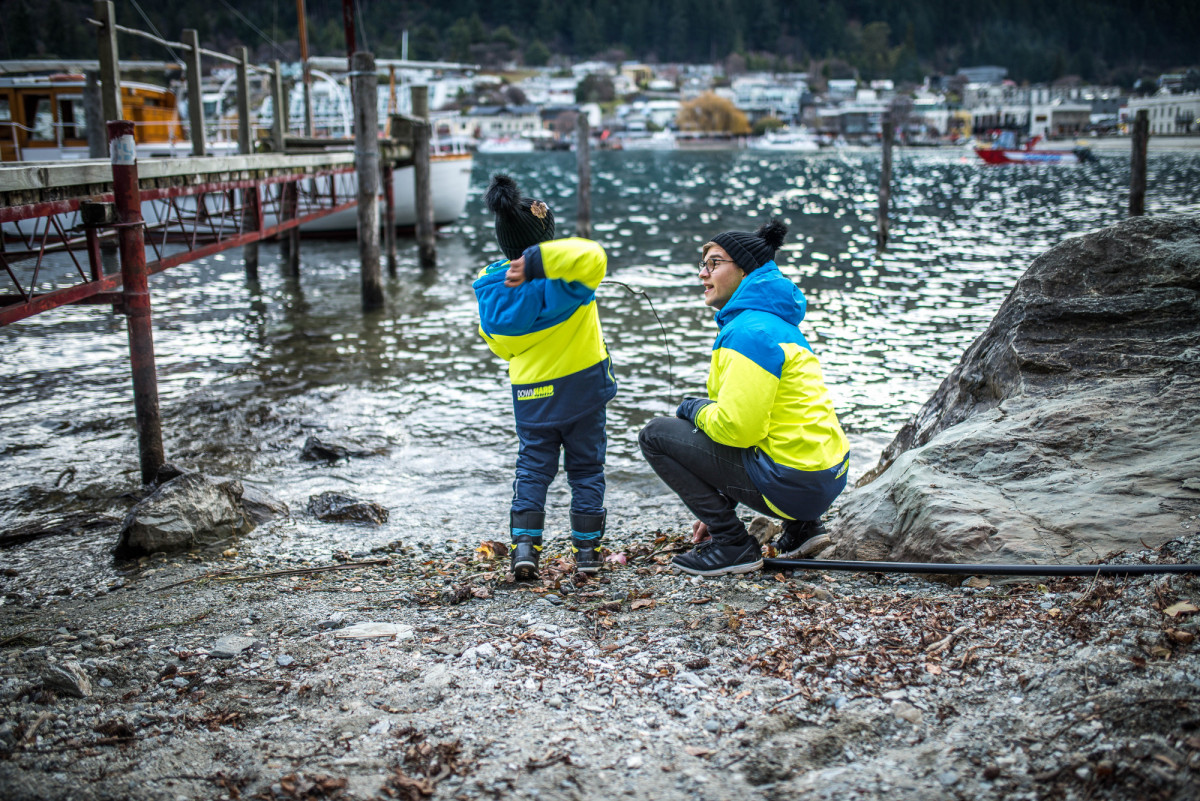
<point>1169,113</point>
<point>505,122</point>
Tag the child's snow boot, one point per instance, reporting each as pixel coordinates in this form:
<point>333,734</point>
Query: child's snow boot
<point>526,547</point>
<point>586,533</point>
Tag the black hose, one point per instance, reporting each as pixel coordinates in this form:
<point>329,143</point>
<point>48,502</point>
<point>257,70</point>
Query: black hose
<point>977,570</point>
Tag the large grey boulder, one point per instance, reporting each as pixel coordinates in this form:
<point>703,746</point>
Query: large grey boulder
<point>192,510</point>
<point>1071,426</point>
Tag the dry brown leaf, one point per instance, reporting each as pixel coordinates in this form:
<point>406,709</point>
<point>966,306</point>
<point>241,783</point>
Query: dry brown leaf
<point>1182,607</point>
<point>697,751</point>
<point>642,602</point>
<point>481,592</point>
<point>932,669</point>
<point>1180,636</point>
<point>490,549</point>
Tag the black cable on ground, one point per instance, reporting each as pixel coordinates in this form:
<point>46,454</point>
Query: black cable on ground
<point>977,570</point>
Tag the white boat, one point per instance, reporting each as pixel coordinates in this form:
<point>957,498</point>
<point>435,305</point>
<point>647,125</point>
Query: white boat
<point>787,140</point>
<point>449,176</point>
<point>506,144</point>
<point>659,140</point>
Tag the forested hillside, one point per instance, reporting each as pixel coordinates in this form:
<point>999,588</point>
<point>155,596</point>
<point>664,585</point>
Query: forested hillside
<point>1109,42</point>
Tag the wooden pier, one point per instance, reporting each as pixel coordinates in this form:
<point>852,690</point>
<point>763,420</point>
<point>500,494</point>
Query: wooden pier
<point>57,217</point>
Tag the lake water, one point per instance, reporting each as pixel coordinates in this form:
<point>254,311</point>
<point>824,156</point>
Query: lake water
<point>247,373</point>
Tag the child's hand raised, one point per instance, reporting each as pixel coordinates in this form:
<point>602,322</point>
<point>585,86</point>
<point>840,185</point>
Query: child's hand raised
<point>515,276</point>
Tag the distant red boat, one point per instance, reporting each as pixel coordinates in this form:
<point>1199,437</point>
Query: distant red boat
<point>1005,151</point>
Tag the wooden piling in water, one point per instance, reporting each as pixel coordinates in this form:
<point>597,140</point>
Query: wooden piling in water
<point>289,240</point>
<point>110,71</point>
<point>363,84</point>
<point>93,110</point>
<point>1137,163</point>
<point>135,296</point>
<point>885,182</point>
<point>389,217</point>
<point>195,98</point>
<point>279,102</point>
<point>583,163</point>
<point>250,205</point>
<point>422,181</point>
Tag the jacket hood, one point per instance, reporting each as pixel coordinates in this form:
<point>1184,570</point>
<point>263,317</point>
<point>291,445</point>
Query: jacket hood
<point>766,289</point>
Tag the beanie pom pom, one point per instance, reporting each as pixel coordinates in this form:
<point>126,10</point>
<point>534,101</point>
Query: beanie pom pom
<point>772,233</point>
<point>502,196</point>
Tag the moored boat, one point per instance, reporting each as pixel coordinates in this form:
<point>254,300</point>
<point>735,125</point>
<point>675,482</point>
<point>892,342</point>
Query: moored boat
<point>506,144</point>
<point>788,140</point>
<point>1005,151</point>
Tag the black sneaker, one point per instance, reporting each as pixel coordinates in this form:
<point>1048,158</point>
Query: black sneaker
<point>587,554</point>
<point>525,552</point>
<point>712,558</point>
<point>795,534</point>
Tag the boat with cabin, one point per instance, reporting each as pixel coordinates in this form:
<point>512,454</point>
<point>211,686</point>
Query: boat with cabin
<point>1005,150</point>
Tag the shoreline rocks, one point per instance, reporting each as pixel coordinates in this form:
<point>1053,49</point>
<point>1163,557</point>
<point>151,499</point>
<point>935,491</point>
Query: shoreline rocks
<point>1068,429</point>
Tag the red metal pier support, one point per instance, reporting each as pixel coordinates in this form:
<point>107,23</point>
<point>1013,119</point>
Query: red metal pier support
<point>135,293</point>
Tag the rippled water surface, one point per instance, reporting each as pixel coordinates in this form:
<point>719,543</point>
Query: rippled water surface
<point>246,373</point>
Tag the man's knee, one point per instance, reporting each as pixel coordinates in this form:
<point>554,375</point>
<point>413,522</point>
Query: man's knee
<point>650,437</point>
<point>664,435</point>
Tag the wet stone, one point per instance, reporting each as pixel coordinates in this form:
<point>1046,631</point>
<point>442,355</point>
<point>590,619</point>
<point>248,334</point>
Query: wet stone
<point>334,621</point>
<point>334,507</point>
<point>316,450</point>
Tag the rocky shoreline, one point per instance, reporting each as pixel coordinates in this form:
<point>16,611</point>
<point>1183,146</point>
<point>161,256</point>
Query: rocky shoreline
<point>414,673</point>
<point>421,670</point>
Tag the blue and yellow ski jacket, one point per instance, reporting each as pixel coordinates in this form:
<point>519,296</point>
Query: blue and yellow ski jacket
<point>770,396</point>
<point>548,331</point>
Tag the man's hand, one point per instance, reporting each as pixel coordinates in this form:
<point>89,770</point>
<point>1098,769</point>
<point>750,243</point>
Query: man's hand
<point>699,532</point>
<point>515,276</point>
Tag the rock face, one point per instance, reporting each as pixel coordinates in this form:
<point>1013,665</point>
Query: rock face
<point>193,509</point>
<point>1069,429</point>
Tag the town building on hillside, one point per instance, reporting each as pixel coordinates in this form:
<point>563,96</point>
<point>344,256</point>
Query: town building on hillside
<point>649,115</point>
<point>1059,118</point>
<point>859,119</point>
<point>497,122</point>
<point>548,90</point>
<point>1169,113</point>
<point>760,95</point>
<point>983,75</point>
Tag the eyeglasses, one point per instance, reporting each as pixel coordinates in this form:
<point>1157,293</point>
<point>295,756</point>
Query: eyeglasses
<point>708,265</point>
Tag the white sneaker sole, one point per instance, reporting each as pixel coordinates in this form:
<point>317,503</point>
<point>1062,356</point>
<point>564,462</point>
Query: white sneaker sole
<point>748,567</point>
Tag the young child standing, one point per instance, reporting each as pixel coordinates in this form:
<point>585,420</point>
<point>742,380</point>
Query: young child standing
<point>537,311</point>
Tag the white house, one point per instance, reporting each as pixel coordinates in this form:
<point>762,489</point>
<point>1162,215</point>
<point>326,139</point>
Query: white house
<point>1169,114</point>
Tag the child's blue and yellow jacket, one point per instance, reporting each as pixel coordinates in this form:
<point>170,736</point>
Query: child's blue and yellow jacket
<point>548,331</point>
<point>769,395</point>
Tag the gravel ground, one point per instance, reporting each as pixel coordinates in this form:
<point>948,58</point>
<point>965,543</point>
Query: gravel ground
<point>216,676</point>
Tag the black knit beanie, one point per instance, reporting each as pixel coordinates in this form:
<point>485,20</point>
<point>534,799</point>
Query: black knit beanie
<point>521,222</point>
<point>753,250</point>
